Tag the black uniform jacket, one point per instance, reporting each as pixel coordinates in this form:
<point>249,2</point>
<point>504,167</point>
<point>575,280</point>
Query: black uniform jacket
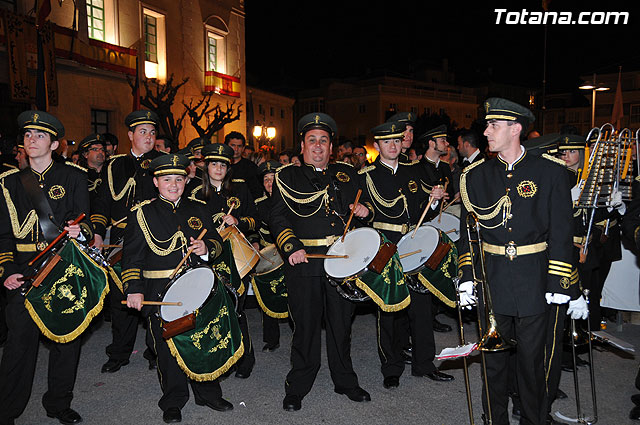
<point>220,202</point>
<point>530,204</point>
<point>439,174</point>
<point>21,238</point>
<point>311,204</point>
<point>126,181</point>
<point>631,221</point>
<point>397,197</point>
<point>264,205</point>
<point>158,237</point>
<point>248,171</point>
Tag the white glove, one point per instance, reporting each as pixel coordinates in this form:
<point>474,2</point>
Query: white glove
<point>616,202</point>
<point>556,298</point>
<point>575,193</point>
<point>578,309</point>
<point>467,299</point>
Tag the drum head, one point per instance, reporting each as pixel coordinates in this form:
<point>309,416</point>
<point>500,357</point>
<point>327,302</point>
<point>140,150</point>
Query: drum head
<point>192,288</point>
<point>270,260</point>
<point>449,224</point>
<point>361,245</point>
<point>426,240</point>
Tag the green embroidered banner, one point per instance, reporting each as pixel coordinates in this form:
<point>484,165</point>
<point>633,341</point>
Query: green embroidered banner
<point>225,267</point>
<point>271,293</point>
<point>440,281</point>
<point>70,296</point>
<point>215,344</point>
<point>388,289</point>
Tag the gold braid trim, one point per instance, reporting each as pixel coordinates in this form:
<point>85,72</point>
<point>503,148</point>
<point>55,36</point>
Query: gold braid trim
<point>286,194</point>
<point>502,205</point>
<point>30,223</point>
<point>177,237</point>
<point>200,377</point>
<point>383,202</point>
<point>425,282</point>
<point>387,308</point>
<point>94,185</point>
<point>131,184</point>
<point>264,308</point>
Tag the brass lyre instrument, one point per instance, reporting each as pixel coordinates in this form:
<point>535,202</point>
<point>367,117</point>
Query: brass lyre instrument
<point>608,170</point>
<point>491,340</point>
<point>579,337</point>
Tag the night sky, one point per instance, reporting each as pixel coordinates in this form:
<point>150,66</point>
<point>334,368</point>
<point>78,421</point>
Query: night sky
<point>292,45</point>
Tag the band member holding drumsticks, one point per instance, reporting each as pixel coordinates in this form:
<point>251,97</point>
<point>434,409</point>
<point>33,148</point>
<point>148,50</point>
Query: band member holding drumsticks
<point>126,181</point>
<point>159,233</point>
<point>398,198</point>
<point>270,325</point>
<point>523,203</point>
<point>311,204</point>
<point>223,193</point>
<point>22,236</point>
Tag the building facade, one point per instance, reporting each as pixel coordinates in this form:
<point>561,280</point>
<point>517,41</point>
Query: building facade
<point>265,108</point>
<point>117,40</point>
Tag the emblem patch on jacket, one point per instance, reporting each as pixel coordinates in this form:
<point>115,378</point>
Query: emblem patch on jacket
<point>145,164</point>
<point>343,177</point>
<point>233,202</point>
<point>195,223</point>
<point>527,189</point>
<point>56,192</point>
<point>413,186</point>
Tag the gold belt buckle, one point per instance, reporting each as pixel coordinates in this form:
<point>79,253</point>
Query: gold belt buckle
<point>511,250</point>
<point>405,228</point>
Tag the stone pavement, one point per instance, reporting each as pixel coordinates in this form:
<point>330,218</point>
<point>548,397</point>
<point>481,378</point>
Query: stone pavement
<point>130,396</point>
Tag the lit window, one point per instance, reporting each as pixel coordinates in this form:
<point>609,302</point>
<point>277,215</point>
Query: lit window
<point>99,121</point>
<point>215,54</point>
<point>212,52</point>
<point>95,19</point>
<point>155,44</point>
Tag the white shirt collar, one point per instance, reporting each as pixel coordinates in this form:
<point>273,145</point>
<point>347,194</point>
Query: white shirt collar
<point>510,166</point>
<point>473,155</point>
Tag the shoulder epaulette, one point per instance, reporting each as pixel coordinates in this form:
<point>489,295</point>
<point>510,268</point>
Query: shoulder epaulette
<point>637,179</point>
<point>237,181</point>
<point>417,161</point>
<point>142,204</point>
<point>194,191</point>
<point>344,163</point>
<point>261,199</point>
<point>76,165</point>
<point>367,169</point>
<point>554,159</point>
<point>10,166</point>
<point>472,166</point>
<point>197,200</point>
<point>112,157</point>
<point>9,172</point>
<point>284,166</point>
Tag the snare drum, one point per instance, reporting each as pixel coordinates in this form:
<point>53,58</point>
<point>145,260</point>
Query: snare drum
<point>449,223</point>
<point>434,267</point>
<point>268,283</point>
<point>354,277</point>
<point>244,254</point>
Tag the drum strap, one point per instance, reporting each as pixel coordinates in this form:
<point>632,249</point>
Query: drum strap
<point>36,195</point>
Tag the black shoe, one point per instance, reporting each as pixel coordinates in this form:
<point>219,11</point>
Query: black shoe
<point>391,382</point>
<point>221,405</point>
<point>270,347</point>
<point>435,376</point>
<point>113,365</point>
<point>292,402</point>
<point>440,327</point>
<point>355,394</point>
<point>515,410</point>
<point>635,413</point>
<point>567,367</point>
<point>151,358</point>
<point>636,399</point>
<point>66,416</point>
<point>581,363</point>
<point>561,395</point>
<point>242,375</point>
<point>172,415</point>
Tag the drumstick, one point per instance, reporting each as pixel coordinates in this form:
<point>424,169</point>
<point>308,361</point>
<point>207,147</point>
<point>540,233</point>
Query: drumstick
<point>56,240</point>
<point>424,213</point>
<point>455,198</point>
<point>321,256</point>
<point>112,246</point>
<point>346,228</point>
<point>410,253</point>
<point>119,221</point>
<point>179,303</point>
<point>228,212</point>
<point>446,183</point>
<point>200,236</point>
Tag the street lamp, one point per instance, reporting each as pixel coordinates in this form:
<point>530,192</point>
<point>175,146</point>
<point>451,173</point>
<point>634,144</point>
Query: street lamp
<point>264,133</point>
<point>594,87</point>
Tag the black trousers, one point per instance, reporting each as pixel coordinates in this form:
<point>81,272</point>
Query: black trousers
<point>390,343</point>
<point>248,360</point>
<point>270,330</point>
<point>173,381</point>
<point>124,326</point>
<point>422,340</point>
<point>311,298</point>
<point>18,365</point>
<point>556,322</point>
<point>530,335</point>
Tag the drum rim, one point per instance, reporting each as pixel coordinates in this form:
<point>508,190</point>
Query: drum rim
<point>177,277</point>
<point>417,270</point>
<point>270,247</point>
<point>365,269</point>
